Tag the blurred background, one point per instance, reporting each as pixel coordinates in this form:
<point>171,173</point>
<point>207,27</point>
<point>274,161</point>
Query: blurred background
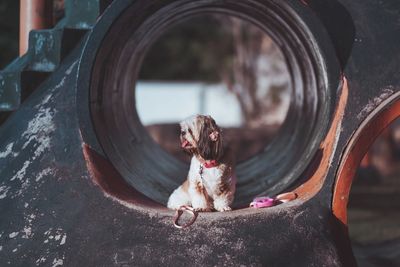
<point>233,71</point>
<point>216,65</point>
<point>9,31</point>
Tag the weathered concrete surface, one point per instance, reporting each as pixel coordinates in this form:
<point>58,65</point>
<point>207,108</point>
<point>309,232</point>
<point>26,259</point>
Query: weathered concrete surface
<point>371,68</point>
<point>52,214</point>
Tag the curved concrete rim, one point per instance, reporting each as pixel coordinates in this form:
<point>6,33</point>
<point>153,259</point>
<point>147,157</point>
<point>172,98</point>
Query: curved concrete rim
<point>110,124</point>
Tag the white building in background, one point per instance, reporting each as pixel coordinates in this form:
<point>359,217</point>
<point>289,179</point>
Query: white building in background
<point>171,102</point>
<point>163,102</point>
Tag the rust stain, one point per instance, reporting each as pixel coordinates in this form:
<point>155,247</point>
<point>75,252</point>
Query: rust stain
<point>326,151</point>
<point>105,176</point>
<point>356,150</point>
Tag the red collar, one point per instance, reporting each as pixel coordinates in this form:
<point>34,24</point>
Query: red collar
<point>210,163</point>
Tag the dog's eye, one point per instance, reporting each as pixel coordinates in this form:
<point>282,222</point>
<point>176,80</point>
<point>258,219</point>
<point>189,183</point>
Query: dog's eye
<point>183,133</point>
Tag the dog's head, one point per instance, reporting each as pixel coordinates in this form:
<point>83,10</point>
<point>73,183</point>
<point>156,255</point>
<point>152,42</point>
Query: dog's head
<point>201,136</point>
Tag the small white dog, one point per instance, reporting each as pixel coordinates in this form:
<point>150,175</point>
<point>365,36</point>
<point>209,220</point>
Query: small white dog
<point>211,182</point>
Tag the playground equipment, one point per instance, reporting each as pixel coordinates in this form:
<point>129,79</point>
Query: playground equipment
<point>82,183</point>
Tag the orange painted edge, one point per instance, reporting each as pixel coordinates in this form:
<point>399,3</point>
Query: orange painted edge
<point>326,150</point>
<point>366,160</point>
<point>104,175</point>
<point>358,146</point>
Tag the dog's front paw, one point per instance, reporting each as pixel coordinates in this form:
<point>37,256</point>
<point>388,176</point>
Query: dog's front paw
<point>200,203</point>
<point>222,204</point>
<point>202,209</point>
<point>201,206</point>
<point>226,208</point>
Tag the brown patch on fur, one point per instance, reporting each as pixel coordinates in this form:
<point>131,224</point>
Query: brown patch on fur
<point>223,188</point>
<point>225,185</point>
<point>199,188</point>
<point>208,149</point>
<point>228,159</point>
<point>202,190</point>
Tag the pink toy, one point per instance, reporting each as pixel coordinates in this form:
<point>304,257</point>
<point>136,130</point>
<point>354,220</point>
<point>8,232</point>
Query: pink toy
<point>263,202</point>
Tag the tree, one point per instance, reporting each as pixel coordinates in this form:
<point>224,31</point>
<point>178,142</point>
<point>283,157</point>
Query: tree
<point>258,76</point>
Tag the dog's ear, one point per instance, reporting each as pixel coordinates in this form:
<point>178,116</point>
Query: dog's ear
<point>210,142</point>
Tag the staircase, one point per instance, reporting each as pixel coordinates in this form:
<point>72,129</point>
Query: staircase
<point>46,50</point>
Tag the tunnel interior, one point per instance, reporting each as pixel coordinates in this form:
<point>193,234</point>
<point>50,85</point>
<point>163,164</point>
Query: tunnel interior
<point>113,57</point>
<point>217,65</point>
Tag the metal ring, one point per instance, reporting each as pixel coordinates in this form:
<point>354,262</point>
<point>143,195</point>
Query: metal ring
<point>179,213</point>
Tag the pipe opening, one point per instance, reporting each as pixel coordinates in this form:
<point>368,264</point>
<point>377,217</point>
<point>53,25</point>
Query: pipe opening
<point>112,61</point>
<point>220,66</point>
